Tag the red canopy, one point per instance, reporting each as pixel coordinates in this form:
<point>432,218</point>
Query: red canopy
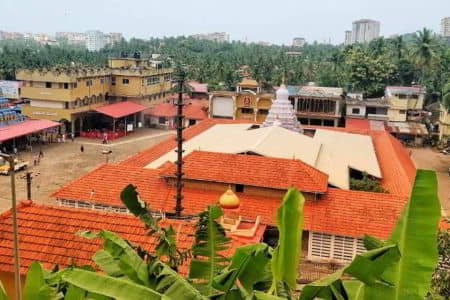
<point>25,128</point>
<point>120,109</point>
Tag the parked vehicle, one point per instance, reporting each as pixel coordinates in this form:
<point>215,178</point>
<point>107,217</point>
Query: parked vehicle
<point>18,166</point>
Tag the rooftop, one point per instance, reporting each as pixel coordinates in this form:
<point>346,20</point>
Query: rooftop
<point>251,170</point>
<point>248,82</point>
<point>319,91</point>
<point>25,128</point>
<point>408,90</point>
<point>195,109</point>
<point>198,87</point>
<point>120,109</point>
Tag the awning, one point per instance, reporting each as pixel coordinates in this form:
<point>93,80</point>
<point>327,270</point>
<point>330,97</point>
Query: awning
<point>25,128</point>
<point>120,109</point>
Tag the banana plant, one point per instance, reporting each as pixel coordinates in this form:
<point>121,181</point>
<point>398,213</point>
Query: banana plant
<point>405,277</point>
<point>271,272</point>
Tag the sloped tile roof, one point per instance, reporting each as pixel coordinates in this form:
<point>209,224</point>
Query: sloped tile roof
<point>251,170</point>
<point>24,128</point>
<point>338,211</point>
<point>198,87</point>
<point>196,110</point>
<point>47,235</point>
<point>120,109</point>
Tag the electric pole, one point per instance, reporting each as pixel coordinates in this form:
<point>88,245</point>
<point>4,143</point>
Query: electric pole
<point>180,126</point>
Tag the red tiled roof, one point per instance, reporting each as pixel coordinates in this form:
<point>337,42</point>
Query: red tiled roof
<point>343,212</point>
<point>251,170</point>
<point>120,109</point>
<point>357,124</point>
<point>25,128</point>
<point>145,157</point>
<point>397,168</point>
<point>198,87</point>
<point>47,234</point>
<point>196,110</point>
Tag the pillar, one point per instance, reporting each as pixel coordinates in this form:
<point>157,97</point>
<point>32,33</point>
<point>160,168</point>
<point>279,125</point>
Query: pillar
<point>335,122</point>
<point>321,122</point>
<point>296,104</point>
<point>72,125</point>
<point>135,120</point>
<point>81,123</point>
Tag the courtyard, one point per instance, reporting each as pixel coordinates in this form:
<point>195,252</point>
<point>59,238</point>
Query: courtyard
<point>64,162</point>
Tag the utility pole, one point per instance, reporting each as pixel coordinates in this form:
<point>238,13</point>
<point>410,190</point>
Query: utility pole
<point>29,178</point>
<point>12,172</point>
<point>180,126</point>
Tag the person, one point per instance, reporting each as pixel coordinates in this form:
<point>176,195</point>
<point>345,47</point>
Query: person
<point>41,153</point>
<point>72,136</point>
<point>63,137</point>
<point>82,149</point>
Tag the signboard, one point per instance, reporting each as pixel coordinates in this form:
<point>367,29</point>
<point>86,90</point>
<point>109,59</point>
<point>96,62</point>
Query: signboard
<point>10,89</point>
<point>129,127</point>
<point>247,101</point>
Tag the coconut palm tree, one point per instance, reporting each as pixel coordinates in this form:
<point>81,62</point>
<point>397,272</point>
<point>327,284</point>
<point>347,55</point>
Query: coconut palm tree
<point>424,50</point>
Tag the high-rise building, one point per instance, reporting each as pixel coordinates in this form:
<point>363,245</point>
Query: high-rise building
<point>95,40</point>
<point>215,36</point>
<point>348,37</point>
<point>445,27</point>
<point>298,42</point>
<point>365,30</point>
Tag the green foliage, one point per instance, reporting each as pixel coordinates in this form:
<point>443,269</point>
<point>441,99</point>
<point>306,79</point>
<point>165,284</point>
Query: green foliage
<point>366,184</point>
<point>391,276</point>
<point>210,242</point>
<point>441,277</point>
<point>166,247</point>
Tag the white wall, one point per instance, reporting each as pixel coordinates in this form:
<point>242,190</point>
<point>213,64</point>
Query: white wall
<point>222,107</point>
<point>362,111</point>
<point>47,104</point>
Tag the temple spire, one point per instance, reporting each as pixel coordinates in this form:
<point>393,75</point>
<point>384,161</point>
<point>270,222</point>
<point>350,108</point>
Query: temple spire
<point>282,113</point>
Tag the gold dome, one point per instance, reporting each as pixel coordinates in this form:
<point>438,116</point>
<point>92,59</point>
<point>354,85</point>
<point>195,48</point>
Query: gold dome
<point>229,200</point>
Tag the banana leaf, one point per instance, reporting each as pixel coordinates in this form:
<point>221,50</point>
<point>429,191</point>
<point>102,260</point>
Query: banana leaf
<point>35,286</point>
<point>210,240</point>
<point>3,295</point>
<point>416,236</point>
<point>117,288</point>
<point>286,255</point>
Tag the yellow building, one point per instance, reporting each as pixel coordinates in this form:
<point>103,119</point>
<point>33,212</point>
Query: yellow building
<point>245,105</point>
<point>403,98</point>
<point>66,94</point>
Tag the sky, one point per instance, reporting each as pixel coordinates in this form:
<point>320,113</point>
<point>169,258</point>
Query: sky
<point>271,21</point>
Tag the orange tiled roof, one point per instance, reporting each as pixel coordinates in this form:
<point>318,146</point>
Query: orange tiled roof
<point>254,170</point>
<point>357,124</point>
<point>344,212</point>
<point>195,109</point>
<point>47,234</point>
<point>143,158</point>
<point>397,168</point>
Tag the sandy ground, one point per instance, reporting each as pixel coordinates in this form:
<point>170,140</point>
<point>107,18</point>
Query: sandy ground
<point>426,158</point>
<point>64,162</point>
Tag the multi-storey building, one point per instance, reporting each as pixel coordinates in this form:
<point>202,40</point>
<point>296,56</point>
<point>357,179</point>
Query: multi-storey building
<point>73,38</point>
<point>315,105</point>
<point>403,99</point>
<point>113,37</point>
<point>66,95</point>
<point>215,36</point>
<point>365,30</point>
<point>445,27</point>
<point>348,37</point>
<point>298,42</point>
<point>95,40</point>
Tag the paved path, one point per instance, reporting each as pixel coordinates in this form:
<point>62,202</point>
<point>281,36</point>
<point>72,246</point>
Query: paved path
<point>115,144</point>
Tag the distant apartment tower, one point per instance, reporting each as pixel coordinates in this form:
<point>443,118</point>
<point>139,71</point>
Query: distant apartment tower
<point>215,36</point>
<point>113,38</point>
<point>445,27</point>
<point>348,37</point>
<point>365,30</point>
<point>298,42</point>
<point>95,40</point>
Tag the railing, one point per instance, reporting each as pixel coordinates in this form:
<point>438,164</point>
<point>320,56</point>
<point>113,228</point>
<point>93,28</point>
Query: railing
<point>378,117</point>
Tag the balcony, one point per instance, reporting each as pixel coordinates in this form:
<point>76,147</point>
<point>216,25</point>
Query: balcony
<point>47,94</point>
<point>378,117</point>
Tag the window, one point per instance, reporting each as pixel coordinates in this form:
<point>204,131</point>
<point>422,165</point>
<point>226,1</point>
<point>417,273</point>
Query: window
<point>60,85</point>
<point>125,81</point>
<point>66,85</point>
<point>401,96</point>
<point>66,105</point>
<point>153,80</point>
<point>75,85</point>
<point>247,110</point>
<point>335,247</point>
<point>113,80</point>
<point>239,188</point>
<point>415,96</point>
<point>89,83</point>
<point>48,85</point>
<point>162,120</point>
<point>355,111</point>
<point>402,111</point>
<point>263,112</point>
